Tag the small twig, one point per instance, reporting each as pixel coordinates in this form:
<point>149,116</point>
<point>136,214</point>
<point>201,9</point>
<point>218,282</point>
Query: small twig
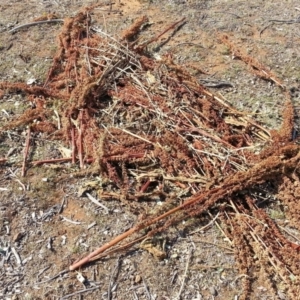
<point>94,200</point>
<point>289,233</point>
<point>35,23</point>
<point>113,276</point>
<point>279,21</point>
<point>213,244</point>
<point>196,267</point>
<point>50,161</point>
<point>286,21</point>
<point>204,133</point>
<point>26,150</point>
<point>207,225</point>
<point>215,83</point>
<point>159,35</point>
<point>137,136</point>
<point>21,184</point>
<point>240,276</point>
<point>145,186</point>
<point>43,270</point>
<point>17,256</point>
<point>262,30</point>
<point>80,292</point>
<point>58,119</point>
<point>229,13</point>
<point>80,145</point>
<point>61,206</point>
<point>217,224</point>
<point>185,274</point>
<point>53,277</point>
<point>73,145</point>
<point>71,221</point>
<point>147,289</point>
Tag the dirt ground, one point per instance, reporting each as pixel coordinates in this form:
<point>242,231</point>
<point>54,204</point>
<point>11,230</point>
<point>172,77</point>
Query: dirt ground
<point>46,225</point>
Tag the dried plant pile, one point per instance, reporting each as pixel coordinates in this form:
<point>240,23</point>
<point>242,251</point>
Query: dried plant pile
<point>152,132</point>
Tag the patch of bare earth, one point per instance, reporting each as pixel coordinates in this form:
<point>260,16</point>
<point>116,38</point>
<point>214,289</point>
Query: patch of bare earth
<point>209,129</point>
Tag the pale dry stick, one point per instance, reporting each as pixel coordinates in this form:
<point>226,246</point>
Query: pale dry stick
<point>26,150</point>
<point>80,144</point>
<point>95,201</point>
<point>207,225</point>
<point>147,289</point>
<point>197,112</point>
<point>238,166</point>
<point>113,277</point>
<point>191,179</point>
<point>187,119</point>
<point>178,297</point>
<point>289,233</point>
<point>134,61</point>
<point>71,221</point>
<point>58,119</point>
<point>105,24</point>
<point>206,134</point>
<point>217,224</point>
<point>35,23</point>
<point>108,132</point>
<point>80,292</point>
<point>274,79</point>
<point>17,256</point>
<point>213,244</point>
<point>21,184</point>
<point>137,136</point>
<point>234,207</point>
<point>208,153</point>
<point>240,276</point>
<point>245,215</point>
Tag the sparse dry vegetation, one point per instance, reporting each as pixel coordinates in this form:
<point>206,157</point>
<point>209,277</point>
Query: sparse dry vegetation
<point>143,130</point>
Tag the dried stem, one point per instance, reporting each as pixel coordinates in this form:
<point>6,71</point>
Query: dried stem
<point>26,150</point>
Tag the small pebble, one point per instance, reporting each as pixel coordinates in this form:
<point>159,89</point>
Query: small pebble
<point>213,291</point>
<point>137,279</point>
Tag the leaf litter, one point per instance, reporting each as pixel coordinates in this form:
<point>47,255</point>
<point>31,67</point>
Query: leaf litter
<point>151,132</point>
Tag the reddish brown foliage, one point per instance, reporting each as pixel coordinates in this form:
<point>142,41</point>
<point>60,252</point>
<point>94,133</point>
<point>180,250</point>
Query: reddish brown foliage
<point>149,127</point>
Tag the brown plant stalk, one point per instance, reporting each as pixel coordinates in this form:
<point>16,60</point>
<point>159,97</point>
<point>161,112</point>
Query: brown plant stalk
<point>275,165</point>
